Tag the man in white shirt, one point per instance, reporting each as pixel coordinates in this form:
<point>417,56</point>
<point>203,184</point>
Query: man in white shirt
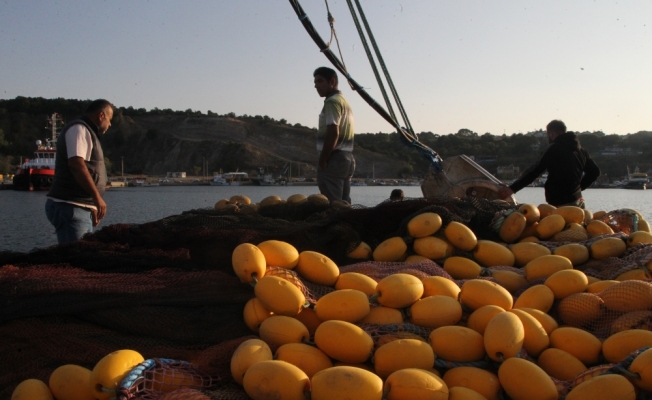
<point>75,203</point>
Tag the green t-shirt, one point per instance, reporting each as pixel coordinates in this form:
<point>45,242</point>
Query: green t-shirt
<point>336,111</point>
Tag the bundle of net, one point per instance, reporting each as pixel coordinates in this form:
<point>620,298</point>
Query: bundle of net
<point>455,287</point>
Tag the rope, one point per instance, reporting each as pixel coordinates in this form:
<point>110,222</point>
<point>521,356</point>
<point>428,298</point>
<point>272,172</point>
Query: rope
<point>406,137</point>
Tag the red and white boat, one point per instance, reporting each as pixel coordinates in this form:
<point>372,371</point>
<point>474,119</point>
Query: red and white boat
<point>37,173</point>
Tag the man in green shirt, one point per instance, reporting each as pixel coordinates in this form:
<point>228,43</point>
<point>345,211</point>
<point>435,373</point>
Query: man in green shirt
<point>334,139</point>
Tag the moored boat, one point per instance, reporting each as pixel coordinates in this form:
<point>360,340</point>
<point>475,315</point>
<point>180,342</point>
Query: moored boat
<point>37,173</point>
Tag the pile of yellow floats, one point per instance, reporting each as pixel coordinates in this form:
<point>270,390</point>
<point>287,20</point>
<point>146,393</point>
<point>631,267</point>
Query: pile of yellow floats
<point>322,349</point>
<point>343,362</point>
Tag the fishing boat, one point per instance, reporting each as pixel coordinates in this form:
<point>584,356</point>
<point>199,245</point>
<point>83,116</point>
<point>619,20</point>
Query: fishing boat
<point>37,173</point>
<point>229,179</point>
<point>636,180</point>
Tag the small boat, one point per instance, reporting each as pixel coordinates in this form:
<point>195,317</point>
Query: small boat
<point>222,180</point>
<point>635,180</point>
<point>38,173</point>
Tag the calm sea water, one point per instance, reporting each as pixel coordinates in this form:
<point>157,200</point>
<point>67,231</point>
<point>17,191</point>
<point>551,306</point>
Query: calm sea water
<point>25,227</point>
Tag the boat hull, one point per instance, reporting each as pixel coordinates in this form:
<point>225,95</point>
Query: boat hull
<point>33,179</point>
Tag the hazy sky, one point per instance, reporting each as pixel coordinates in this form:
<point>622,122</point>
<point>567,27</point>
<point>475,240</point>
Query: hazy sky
<point>490,66</point>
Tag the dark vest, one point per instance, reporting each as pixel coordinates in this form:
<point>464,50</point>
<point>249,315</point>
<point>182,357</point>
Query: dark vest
<point>65,186</point>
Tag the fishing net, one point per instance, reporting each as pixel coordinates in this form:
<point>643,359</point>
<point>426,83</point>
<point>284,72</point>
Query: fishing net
<point>167,289</point>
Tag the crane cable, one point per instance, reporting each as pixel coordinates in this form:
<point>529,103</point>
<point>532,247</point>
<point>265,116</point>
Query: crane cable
<point>406,136</point>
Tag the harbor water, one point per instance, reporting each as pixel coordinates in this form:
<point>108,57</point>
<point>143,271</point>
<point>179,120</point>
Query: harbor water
<point>25,227</point>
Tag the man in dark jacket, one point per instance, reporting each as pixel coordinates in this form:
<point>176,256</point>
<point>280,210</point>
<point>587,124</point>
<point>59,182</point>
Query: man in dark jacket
<point>570,169</point>
<point>75,205</point>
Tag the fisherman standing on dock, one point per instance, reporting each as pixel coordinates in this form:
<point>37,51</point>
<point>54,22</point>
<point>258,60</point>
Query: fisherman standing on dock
<point>75,203</point>
<point>570,169</point>
<point>334,139</point>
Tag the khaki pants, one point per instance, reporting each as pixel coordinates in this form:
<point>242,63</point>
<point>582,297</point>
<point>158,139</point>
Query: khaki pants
<point>335,181</point>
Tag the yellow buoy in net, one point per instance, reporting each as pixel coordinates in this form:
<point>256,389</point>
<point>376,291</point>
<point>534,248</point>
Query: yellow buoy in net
<point>432,247</point>
<point>248,262</point>
<point>346,382</point>
<point>435,311</point>
<point>279,295</point>
<point>382,316</point>
<point>536,338</point>
<point>462,393</point>
<point>566,282</point>
<point>70,382</point>
<point>249,352</point>
<point>440,286</point>
<point>550,225</point>
<point>308,317</point>
<point>269,201</point>
<point>32,389</point>
<point>525,252</point>
<point>317,268</point>
<point>539,297</point>
<point>512,227</point>
<point>599,286</point>
<point>356,281</point>
<point>220,204</point>
<point>575,252</point>
<point>399,290</point>
<point>279,254</point>
<point>598,228</point>
<point>548,323</point>
<point>278,330</point>
<point>628,296</point>
<point>544,266</point>
<point>403,353</point>
<point>642,365</point>
<point>275,379</point>
<point>109,372</point>
<point>308,358</point>
<point>457,344</point>
<point>580,309</point>
<point>604,387</point>
<point>618,346</point>
<point>424,224</point>
<point>580,343</point>
<point>390,250</point>
<point>524,380</point>
<point>476,293</point>
<point>639,237</point>
<point>545,210</point>
<point>641,319</point>
<point>531,213</point>
<point>462,268</point>
<point>297,198</point>
<point>461,236</point>
<point>362,252</point>
<point>571,214</point>
<point>346,305</point>
<point>415,384</point>
<point>607,247</point>
<point>239,199</point>
<point>255,313</point>
<point>504,336</point>
<point>492,254</point>
<point>344,341</point>
<point>479,380</point>
<point>510,280</point>
<point>560,364</point>
<point>479,318</point>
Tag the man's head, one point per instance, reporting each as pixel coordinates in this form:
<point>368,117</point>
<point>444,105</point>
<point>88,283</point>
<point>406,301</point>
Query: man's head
<point>101,112</point>
<point>325,81</point>
<point>555,128</point>
<point>396,195</point>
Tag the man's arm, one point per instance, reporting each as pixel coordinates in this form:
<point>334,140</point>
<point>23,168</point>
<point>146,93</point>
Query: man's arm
<point>530,174</point>
<point>83,177</point>
<point>591,172</point>
<point>332,135</point>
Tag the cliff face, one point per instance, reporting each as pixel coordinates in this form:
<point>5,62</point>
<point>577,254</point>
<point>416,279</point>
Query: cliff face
<point>156,144</point>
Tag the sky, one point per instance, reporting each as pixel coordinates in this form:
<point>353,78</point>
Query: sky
<point>500,66</point>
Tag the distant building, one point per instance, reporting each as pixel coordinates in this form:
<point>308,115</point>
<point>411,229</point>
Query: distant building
<point>508,172</point>
<point>176,175</point>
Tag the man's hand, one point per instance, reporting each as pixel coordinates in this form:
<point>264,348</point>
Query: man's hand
<point>101,208</point>
<point>504,192</point>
